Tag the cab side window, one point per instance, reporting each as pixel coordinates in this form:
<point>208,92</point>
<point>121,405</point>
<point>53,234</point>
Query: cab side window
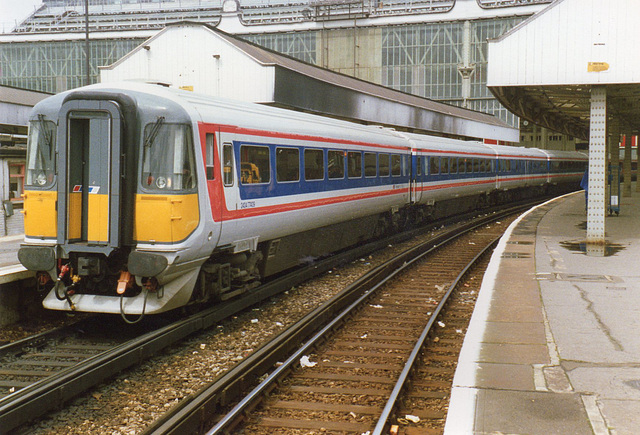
<point>209,156</point>
<point>227,158</point>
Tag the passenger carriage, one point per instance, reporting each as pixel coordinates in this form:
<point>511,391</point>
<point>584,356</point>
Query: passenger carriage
<point>142,199</point>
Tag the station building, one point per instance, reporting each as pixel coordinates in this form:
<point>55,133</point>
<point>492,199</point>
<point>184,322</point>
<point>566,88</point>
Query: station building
<point>433,48</point>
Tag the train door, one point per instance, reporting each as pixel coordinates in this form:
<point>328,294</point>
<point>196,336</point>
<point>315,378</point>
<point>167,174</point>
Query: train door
<point>213,159</point>
<point>417,171</point>
<point>499,165</point>
<point>229,200</point>
<point>545,167</point>
<point>89,164</point>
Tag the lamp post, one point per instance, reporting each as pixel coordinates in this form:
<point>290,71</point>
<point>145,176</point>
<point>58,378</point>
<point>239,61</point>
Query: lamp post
<point>86,43</point>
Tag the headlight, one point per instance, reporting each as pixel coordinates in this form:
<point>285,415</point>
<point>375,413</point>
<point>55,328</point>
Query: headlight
<point>41,179</point>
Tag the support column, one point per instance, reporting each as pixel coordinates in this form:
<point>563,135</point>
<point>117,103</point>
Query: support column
<point>597,166</point>
<point>466,68</point>
<point>626,171</point>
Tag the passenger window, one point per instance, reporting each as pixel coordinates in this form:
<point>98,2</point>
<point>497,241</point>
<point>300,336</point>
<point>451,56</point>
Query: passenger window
<point>354,163</point>
<point>209,146</point>
<point>313,165</point>
<point>336,164</point>
<point>383,165</point>
<point>453,166</point>
<point>396,165</point>
<point>444,165</point>
<point>287,164</point>
<point>434,165</point>
<point>419,166</point>
<point>254,164</point>
<point>227,158</point>
<point>370,165</point>
<point>476,165</point>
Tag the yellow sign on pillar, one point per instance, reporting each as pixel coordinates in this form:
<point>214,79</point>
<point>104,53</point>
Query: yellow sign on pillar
<point>597,66</point>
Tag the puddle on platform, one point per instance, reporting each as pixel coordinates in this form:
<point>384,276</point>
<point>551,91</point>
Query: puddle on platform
<point>606,250</point>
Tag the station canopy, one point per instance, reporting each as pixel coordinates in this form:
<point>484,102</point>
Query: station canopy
<point>544,69</point>
<point>15,106</point>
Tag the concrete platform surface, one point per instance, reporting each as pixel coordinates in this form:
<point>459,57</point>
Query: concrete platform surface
<point>554,342</point>
<point>10,268</point>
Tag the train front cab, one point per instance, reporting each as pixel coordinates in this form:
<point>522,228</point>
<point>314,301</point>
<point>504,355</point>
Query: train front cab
<point>75,220</point>
<point>105,199</point>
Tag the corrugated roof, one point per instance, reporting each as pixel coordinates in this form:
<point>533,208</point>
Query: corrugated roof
<point>268,57</point>
<point>21,97</point>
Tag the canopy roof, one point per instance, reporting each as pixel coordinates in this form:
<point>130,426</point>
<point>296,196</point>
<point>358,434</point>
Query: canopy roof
<point>543,70</point>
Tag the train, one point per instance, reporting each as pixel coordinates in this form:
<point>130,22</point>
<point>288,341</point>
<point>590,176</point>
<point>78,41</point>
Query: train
<point>141,199</point>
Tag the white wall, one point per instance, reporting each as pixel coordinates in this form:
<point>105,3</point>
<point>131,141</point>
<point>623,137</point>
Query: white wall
<point>192,55</point>
<point>556,46</point>
<point>14,113</point>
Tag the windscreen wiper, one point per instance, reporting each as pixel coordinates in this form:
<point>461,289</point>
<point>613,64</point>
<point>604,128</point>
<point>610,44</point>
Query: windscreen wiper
<point>47,134</point>
<point>154,131</point>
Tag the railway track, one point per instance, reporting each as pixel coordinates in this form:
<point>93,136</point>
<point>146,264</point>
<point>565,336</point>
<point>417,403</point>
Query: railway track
<point>357,375</point>
<point>360,370</point>
<point>43,372</point>
<point>78,359</point>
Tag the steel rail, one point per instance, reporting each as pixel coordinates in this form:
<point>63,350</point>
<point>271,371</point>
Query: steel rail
<point>52,392</point>
<point>398,264</point>
<point>16,347</point>
<point>409,365</point>
<point>193,411</point>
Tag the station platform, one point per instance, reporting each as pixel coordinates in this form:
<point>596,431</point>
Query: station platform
<point>554,342</point>
<point>10,268</point>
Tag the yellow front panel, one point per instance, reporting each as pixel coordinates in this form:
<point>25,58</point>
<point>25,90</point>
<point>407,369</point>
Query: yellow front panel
<point>75,215</point>
<point>165,218</point>
<point>98,230</point>
<point>40,216</point>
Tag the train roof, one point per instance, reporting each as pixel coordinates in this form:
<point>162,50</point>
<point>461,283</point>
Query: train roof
<point>252,116</point>
<point>260,118</point>
<point>446,145</point>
